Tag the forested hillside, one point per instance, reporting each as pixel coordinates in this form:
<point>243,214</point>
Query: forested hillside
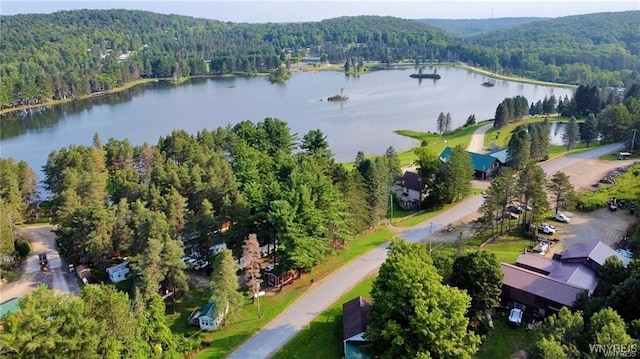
<point>466,28</point>
<point>597,48</point>
<point>74,53</point>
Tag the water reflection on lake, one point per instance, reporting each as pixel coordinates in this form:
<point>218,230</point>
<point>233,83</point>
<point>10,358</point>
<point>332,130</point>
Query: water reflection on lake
<point>379,103</point>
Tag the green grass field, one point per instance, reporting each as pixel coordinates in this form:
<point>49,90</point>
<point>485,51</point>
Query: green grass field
<point>436,142</point>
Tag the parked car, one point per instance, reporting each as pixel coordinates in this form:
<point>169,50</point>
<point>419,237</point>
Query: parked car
<point>200,264</point>
<point>511,215</point>
<point>561,218</point>
<point>515,316</point>
<point>547,228</point>
<point>190,262</point>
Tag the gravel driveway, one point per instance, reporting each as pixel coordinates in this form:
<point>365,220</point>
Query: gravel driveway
<point>601,224</point>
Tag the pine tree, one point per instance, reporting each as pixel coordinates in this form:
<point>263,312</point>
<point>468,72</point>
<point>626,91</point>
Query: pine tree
<point>224,284</point>
<point>589,130</point>
<point>571,133</point>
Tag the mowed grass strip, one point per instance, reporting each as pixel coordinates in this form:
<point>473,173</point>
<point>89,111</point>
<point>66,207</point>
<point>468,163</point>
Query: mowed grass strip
<point>240,328</point>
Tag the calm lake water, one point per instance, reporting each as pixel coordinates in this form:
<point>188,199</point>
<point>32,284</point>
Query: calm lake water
<point>379,103</point>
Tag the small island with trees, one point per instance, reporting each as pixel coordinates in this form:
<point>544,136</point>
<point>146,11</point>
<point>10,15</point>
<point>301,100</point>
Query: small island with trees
<point>280,75</point>
<point>422,75</point>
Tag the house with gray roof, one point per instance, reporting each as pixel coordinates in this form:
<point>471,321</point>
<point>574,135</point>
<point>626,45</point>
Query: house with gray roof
<point>545,284</point>
<point>355,319</point>
<point>409,190</point>
<point>591,254</point>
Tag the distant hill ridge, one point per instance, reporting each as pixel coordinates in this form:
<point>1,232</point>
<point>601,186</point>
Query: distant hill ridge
<point>77,53</point>
<point>466,28</point>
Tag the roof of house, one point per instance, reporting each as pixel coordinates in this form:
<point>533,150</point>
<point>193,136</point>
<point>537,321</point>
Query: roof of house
<point>501,154</point>
<point>410,180</point>
<point>480,162</point>
<point>355,317</point>
<point>540,284</point>
<point>118,267</point>
<point>595,251</point>
<point>10,306</point>
<point>576,274</point>
<point>535,261</point>
<point>208,310</point>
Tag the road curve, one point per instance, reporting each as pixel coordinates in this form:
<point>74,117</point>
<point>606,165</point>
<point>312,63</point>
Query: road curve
<point>275,334</point>
<point>477,139</point>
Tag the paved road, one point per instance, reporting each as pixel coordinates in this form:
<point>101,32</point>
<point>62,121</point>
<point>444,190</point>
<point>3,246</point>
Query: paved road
<point>274,335</point>
<point>477,139</point>
<point>57,277</point>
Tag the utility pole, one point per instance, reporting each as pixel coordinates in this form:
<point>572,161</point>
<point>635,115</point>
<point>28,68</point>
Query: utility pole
<point>430,234</point>
<point>634,139</point>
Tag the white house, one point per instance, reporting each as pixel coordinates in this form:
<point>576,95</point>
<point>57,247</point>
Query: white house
<point>409,190</point>
<point>209,317</point>
<point>118,272</point>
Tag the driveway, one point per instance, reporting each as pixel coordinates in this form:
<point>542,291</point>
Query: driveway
<point>57,277</point>
<point>477,139</point>
<point>599,225</point>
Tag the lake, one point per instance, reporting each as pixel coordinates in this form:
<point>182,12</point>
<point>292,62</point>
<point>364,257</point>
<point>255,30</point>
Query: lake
<point>379,103</point>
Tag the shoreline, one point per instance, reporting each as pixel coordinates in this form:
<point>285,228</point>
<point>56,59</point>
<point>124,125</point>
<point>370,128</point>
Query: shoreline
<point>299,67</point>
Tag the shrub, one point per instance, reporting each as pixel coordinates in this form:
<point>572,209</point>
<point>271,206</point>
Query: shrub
<point>23,247</point>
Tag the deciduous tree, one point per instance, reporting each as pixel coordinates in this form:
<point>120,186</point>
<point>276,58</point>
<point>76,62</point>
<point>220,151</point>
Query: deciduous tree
<point>480,275</point>
<point>413,314</point>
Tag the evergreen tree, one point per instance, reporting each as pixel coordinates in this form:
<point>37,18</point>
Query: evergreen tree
<point>519,148</point>
<point>589,130</point>
<point>442,123</point>
<point>561,188</point>
<point>224,284</point>
<point>458,174</point>
<point>531,184</point>
<point>571,134</point>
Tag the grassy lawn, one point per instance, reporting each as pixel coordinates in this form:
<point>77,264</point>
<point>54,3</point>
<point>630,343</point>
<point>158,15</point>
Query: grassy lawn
<point>240,328</point>
<point>322,338</point>
<point>560,150</point>
<point>501,136</point>
<point>507,248</point>
<point>411,218</point>
<point>436,142</point>
<point>504,340</point>
<point>627,187</point>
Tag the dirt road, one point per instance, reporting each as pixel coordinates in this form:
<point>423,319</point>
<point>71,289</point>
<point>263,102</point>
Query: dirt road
<point>56,277</point>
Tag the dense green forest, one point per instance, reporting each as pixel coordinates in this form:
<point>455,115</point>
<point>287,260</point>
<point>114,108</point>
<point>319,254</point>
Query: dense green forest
<point>69,54</point>
<point>599,49</point>
<point>73,53</point>
<point>466,28</point>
